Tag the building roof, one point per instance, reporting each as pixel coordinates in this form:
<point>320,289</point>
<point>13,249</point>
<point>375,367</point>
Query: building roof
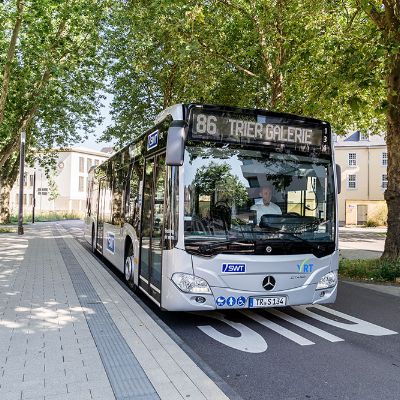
<point>356,139</point>
<point>84,150</point>
<point>108,150</point>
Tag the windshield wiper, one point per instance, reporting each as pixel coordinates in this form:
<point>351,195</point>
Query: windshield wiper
<point>206,248</point>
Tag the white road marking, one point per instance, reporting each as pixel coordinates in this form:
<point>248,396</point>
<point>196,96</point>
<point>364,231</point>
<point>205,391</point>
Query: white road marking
<point>357,325</point>
<point>248,341</point>
<point>310,328</point>
<point>302,341</point>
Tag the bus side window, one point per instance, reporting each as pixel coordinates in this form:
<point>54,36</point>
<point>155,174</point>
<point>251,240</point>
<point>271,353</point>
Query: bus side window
<point>132,195</point>
<point>117,193</point>
<point>89,197</point>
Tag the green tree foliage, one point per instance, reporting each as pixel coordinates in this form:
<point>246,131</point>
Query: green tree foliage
<point>321,59</point>
<point>50,76</point>
<point>338,61</point>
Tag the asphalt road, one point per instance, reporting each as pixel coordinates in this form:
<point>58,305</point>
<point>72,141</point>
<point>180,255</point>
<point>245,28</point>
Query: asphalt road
<point>350,350</point>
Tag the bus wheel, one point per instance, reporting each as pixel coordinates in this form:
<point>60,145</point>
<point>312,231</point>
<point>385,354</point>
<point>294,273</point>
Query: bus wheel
<point>93,242</point>
<point>128,269</point>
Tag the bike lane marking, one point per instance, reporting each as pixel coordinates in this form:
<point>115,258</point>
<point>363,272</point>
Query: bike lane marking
<point>304,325</point>
<point>294,337</point>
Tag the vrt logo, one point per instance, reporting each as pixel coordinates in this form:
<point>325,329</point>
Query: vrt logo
<point>304,267</point>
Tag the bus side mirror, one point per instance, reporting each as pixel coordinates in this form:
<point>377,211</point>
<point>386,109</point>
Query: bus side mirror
<point>339,178</point>
<point>175,143</point>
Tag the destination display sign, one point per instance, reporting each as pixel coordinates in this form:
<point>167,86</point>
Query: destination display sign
<point>261,129</point>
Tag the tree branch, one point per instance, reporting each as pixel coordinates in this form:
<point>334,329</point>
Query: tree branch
<point>227,59</point>
<point>391,18</point>
<point>376,16</point>
<point>261,34</point>
<point>8,149</point>
<point>29,114</point>
<point>10,56</point>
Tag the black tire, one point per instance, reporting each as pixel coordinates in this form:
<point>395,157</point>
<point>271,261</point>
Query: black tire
<point>129,279</point>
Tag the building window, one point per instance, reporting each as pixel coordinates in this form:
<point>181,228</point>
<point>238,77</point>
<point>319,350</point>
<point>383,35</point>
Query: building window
<point>30,199</point>
<point>96,162</point>
<point>25,179</point>
<point>351,182</point>
<point>352,159</point>
<point>42,191</point>
<point>31,178</point>
<point>384,159</point>
<point>81,164</point>
<point>364,136</point>
<point>88,164</point>
<point>384,181</point>
<point>24,199</point>
<point>81,184</point>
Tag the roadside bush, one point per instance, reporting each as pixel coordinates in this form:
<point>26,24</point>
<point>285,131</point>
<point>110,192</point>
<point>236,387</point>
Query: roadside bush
<point>378,217</point>
<point>371,223</point>
<point>375,269</point>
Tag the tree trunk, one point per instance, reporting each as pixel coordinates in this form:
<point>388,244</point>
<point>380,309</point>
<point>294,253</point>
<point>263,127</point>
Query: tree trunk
<point>5,204</point>
<point>8,176</point>
<point>10,56</point>
<point>392,193</point>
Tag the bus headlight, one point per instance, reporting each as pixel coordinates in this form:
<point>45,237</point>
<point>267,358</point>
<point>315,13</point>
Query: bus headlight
<point>190,283</point>
<point>327,281</point>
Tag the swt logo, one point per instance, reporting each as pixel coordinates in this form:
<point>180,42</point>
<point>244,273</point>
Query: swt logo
<point>304,267</point>
<point>233,268</point>
<point>152,140</point>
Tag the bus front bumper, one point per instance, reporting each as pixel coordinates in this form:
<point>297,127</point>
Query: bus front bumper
<point>223,298</point>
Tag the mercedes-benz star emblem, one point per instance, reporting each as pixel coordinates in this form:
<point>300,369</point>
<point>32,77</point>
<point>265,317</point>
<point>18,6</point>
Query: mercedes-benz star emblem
<point>269,282</point>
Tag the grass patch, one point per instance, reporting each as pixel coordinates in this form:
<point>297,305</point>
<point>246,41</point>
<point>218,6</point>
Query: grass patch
<point>7,230</point>
<point>375,269</point>
<point>47,217</point>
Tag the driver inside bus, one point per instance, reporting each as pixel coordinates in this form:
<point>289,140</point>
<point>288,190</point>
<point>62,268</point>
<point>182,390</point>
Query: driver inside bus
<point>265,205</point>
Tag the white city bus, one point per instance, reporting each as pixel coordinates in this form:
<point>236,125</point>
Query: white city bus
<point>219,208</point>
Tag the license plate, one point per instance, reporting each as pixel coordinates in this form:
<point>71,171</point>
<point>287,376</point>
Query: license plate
<point>277,301</point>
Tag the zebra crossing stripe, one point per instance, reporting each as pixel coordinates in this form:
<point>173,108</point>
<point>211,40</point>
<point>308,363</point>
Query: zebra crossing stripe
<point>294,337</point>
<point>310,328</point>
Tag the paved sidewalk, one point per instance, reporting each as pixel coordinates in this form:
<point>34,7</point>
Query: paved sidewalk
<point>361,243</point>
<point>69,331</point>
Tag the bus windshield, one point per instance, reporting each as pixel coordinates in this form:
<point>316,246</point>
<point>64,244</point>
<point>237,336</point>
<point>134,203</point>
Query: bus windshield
<point>242,200</point>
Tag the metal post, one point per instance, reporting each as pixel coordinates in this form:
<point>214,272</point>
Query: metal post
<point>34,196</point>
<point>21,184</point>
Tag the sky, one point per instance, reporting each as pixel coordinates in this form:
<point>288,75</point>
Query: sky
<point>91,141</point>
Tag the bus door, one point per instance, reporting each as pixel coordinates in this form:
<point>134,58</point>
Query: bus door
<point>100,214</point>
<point>152,226</point>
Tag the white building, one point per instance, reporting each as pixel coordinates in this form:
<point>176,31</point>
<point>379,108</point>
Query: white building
<point>363,160</point>
<point>67,193</point>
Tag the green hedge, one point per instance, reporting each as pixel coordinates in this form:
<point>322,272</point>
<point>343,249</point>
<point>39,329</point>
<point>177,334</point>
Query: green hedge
<point>375,269</point>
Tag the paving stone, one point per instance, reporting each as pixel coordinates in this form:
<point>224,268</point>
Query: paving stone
<point>61,313</point>
<point>38,322</point>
